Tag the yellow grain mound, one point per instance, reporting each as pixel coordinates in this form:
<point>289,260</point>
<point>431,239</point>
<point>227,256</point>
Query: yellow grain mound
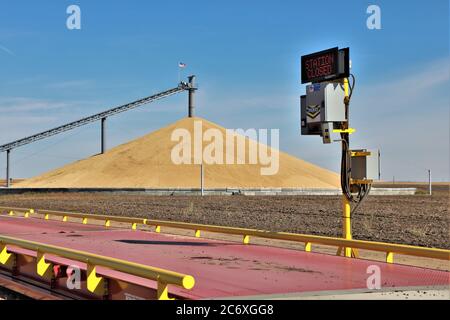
<point>146,163</point>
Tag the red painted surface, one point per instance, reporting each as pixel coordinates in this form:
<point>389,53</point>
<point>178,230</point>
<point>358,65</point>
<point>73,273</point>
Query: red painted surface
<point>221,268</point>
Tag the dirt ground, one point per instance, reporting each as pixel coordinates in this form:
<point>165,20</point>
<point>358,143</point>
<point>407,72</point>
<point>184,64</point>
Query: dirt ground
<point>417,220</point>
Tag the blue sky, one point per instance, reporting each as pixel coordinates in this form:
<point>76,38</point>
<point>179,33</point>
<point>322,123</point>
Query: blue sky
<point>246,56</point>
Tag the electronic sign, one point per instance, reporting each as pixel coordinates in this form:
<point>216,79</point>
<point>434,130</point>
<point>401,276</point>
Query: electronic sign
<point>327,65</point>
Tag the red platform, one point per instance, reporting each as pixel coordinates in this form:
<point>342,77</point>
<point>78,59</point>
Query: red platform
<point>222,268</point>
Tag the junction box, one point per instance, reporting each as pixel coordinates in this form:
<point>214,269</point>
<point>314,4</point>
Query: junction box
<point>365,164</point>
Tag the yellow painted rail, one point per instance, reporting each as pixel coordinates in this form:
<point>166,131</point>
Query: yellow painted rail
<point>388,248</point>
<point>95,283</point>
<point>84,216</point>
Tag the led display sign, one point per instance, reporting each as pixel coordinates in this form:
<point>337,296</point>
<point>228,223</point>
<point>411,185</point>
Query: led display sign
<point>327,65</point>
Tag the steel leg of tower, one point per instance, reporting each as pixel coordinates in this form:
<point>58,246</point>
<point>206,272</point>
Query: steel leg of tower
<point>103,137</point>
<point>7,168</point>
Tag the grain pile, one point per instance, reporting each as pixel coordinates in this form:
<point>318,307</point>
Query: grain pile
<point>146,163</point>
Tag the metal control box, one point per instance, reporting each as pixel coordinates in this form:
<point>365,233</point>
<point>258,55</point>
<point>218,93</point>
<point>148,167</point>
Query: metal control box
<point>365,164</point>
<point>325,102</point>
<point>321,107</point>
<point>308,128</point>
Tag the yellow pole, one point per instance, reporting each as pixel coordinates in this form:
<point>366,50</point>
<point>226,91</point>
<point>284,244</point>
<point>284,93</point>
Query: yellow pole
<point>347,224</point>
<point>346,88</point>
<point>346,218</point>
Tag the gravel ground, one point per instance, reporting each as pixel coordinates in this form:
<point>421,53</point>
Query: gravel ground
<point>416,220</point>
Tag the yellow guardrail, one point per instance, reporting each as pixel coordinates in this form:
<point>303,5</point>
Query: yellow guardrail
<point>95,283</point>
<point>84,216</point>
<point>388,248</point>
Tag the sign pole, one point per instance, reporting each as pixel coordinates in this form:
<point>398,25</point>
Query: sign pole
<point>347,223</point>
<point>429,182</point>
<point>346,209</point>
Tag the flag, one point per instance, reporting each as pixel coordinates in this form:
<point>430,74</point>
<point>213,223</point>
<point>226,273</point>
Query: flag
<point>182,65</point>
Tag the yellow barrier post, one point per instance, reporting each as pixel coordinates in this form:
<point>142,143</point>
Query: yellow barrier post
<point>6,258</point>
<point>85,220</point>
<point>308,246</point>
<point>134,226</point>
<point>43,268</point>
<point>95,284</point>
<point>246,239</point>
<point>197,233</point>
<point>11,213</point>
<point>107,223</point>
<point>157,229</point>
<point>64,219</point>
<point>389,257</point>
<point>162,292</point>
<point>46,216</point>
